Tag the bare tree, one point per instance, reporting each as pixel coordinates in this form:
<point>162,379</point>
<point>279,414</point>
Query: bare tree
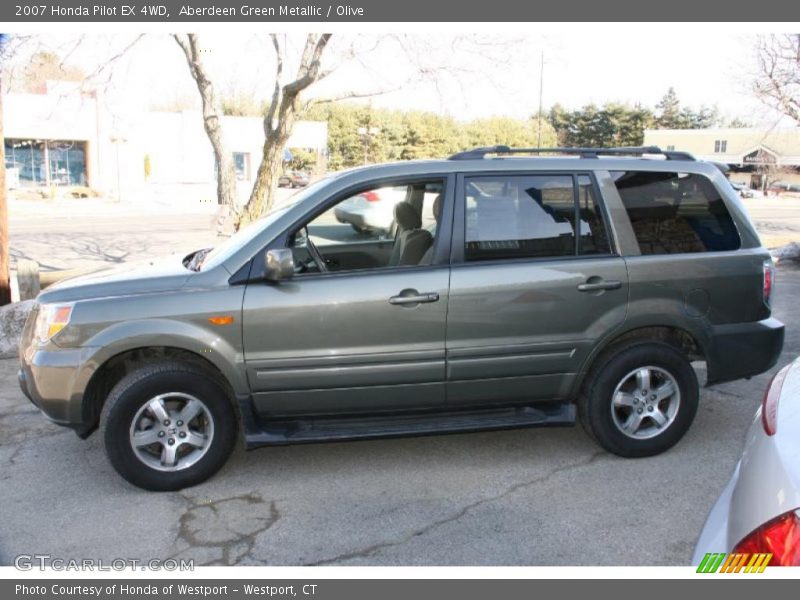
<point>280,118</point>
<point>296,72</point>
<point>777,79</point>
<point>212,119</point>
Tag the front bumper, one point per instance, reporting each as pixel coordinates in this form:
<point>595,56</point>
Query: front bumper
<point>744,349</point>
<point>54,381</point>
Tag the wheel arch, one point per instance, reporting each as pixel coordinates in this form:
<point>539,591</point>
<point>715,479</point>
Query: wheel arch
<point>685,341</point>
<point>115,367</point>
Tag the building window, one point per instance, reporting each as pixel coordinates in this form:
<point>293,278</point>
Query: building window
<point>720,146</point>
<point>670,148</point>
<point>241,164</point>
<point>45,162</point>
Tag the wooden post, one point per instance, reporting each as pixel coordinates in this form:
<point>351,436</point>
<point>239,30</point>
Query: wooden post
<point>5,281</point>
<point>28,279</point>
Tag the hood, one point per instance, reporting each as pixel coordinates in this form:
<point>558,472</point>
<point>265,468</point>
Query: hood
<point>130,279</point>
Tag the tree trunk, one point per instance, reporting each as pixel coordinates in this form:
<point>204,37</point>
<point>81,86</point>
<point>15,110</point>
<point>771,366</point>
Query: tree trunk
<point>5,282</point>
<point>266,184</point>
<point>279,122</point>
<point>226,175</point>
<point>212,122</point>
<point>262,197</point>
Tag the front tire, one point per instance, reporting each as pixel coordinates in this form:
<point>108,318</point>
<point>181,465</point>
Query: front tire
<point>167,426</point>
<point>639,400</point>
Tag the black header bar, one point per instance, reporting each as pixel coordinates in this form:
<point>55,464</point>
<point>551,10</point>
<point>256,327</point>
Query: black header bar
<point>339,11</point>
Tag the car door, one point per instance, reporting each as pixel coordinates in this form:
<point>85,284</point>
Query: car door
<point>529,299</point>
<point>355,341</point>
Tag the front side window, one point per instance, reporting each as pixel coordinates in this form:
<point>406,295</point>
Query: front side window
<point>385,226</point>
<point>532,216</point>
<point>675,213</point>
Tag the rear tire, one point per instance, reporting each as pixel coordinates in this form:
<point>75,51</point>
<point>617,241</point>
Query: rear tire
<point>639,400</point>
<point>167,426</point>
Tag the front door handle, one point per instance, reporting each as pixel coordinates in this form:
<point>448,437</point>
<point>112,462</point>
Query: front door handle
<point>595,284</point>
<point>407,297</point>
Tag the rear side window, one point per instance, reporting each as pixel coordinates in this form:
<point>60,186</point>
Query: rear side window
<point>532,216</point>
<point>676,213</point>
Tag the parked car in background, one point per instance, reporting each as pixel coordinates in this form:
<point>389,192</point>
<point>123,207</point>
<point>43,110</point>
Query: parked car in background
<point>372,210</point>
<point>294,179</point>
<point>300,179</point>
<point>516,291</point>
<point>759,509</point>
<point>780,187</point>
<point>743,190</point>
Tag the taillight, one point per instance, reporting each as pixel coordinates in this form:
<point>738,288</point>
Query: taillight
<point>769,277</point>
<point>769,406</point>
<point>371,196</point>
<point>779,537</point>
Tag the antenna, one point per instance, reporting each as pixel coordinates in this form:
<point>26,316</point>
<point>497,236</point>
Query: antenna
<point>541,91</point>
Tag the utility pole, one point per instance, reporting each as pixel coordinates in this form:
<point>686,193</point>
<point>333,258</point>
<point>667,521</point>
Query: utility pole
<point>367,133</point>
<point>541,89</point>
<point>5,281</point>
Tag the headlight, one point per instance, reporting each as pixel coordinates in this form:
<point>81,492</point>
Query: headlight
<point>51,319</point>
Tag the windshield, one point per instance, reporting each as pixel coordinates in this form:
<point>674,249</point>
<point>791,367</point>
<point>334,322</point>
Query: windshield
<point>211,257</point>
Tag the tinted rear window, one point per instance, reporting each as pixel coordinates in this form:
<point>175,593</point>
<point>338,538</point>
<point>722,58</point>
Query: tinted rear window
<point>676,213</point>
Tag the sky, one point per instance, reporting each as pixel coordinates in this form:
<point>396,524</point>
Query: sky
<point>469,75</point>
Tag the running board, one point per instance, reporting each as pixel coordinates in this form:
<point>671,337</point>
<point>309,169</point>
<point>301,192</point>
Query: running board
<point>332,429</point>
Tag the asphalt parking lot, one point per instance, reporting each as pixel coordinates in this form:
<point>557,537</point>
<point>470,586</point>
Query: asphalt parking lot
<point>525,497</point>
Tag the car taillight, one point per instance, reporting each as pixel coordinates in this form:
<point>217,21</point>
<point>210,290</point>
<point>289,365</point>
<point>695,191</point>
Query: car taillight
<point>769,277</point>
<point>779,537</point>
<point>769,406</point>
<point>371,196</point>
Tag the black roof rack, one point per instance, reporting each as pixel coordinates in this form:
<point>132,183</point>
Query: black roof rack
<point>477,153</point>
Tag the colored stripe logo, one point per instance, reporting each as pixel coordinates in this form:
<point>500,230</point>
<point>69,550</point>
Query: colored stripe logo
<point>734,563</point>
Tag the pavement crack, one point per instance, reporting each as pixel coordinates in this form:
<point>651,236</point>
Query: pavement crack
<point>12,460</point>
<point>224,531</point>
<point>371,550</point>
<point>725,393</point>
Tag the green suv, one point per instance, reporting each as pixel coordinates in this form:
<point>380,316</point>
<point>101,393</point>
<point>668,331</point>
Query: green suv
<point>515,289</point>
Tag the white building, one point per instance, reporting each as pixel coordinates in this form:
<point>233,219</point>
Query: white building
<point>754,156</point>
<point>65,138</point>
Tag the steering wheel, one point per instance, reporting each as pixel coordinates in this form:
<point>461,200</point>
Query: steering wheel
<point>312,250</point>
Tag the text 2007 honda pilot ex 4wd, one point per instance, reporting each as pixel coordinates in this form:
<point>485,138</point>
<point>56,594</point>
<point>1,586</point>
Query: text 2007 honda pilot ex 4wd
<point>515,291</point>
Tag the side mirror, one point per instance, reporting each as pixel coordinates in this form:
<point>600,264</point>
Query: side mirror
<point>300,238</point>
<point>278,265</point>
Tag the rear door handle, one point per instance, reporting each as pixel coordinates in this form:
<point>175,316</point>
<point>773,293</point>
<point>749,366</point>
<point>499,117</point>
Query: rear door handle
<point>592,285</point>
<point>413,297</point>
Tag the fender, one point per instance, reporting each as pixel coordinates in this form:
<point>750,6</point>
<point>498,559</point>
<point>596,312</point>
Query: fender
<point>132,335</point>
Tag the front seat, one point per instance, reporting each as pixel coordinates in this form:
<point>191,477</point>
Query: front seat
<point>427,258</point>
<point>411,242</point>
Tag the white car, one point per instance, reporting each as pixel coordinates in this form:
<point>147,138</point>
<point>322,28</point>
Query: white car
<point>759,509</point>
<point>371,211</point>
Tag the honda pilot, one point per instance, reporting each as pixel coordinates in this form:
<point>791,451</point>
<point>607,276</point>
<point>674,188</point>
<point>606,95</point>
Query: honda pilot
<point>520,287</point>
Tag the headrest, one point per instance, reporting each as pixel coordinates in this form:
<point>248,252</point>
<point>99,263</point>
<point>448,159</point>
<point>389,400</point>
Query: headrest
<point>437,207</point>
<point>406,216</point>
